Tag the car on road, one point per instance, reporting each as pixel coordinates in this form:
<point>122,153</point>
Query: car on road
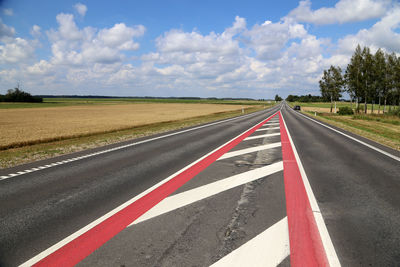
<point>296,108</point>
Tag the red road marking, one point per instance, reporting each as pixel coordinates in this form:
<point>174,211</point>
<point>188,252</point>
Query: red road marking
<point>81,247</point>
<point>306,247</point>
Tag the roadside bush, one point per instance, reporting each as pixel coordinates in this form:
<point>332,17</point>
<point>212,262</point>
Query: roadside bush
<point>17,95</point>
<point>394,112</point>
<point>345,111</point>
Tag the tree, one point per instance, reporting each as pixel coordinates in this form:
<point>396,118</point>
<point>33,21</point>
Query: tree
<point>366,76</point>
<point>396,78</point>
<point>17,95</point>
<point>331,84</point>
<point>391,76</point>
<point>379,77</point>
<point>352,76</point>
<point>278,98</point>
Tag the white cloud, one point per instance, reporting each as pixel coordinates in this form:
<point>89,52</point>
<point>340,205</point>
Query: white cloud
<point>5,31</point>
<point>120,36</point>
<point>71,45</point>
<point>240,61</point>
<point>16,50</point>
<point>8,11</point>
<point>344,11</point>
<point>269,39</point>
<point>383,34</point>
<point>81,9</point>
<point>35,31</point>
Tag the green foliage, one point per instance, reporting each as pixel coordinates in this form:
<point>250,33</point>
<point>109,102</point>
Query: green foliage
<point>345,111</point>
<point>331,84</point>
<point>304,98</point>
<point>17,95</point>
<point>278,98</point>
<point>394,112</point>
<point>373,78</point>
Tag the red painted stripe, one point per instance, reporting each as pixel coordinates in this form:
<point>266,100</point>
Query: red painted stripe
<point>306,247</point>
<point>79,248</point>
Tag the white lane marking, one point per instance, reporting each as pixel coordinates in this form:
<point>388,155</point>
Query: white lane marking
<point>81,231</point>
<point>269,124</point>
<point>266,129</point>
<point>354,139</point>
<point>269,248</point>
<point>249,150</point>
<point>188,197</point>
<point>134,144</point>
<point>323,231</point>
<point>261,136</point>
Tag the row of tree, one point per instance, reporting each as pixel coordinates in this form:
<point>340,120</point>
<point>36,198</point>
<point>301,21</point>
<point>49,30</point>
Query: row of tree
<point>17,95</point>
<point>368,78</point>
<point>305,98</point>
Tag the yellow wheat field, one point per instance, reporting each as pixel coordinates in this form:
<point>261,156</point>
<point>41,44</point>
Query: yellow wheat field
<point>32,125</point>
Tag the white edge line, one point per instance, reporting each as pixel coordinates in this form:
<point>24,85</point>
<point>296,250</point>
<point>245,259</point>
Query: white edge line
<point>353,138</point>
<point>140,142</point>
<point>73,236</point>
<point>323,231</point>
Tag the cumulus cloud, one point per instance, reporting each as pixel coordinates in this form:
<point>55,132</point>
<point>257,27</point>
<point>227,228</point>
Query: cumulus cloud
<point>268,39</point>
<point>35,31</point>
<point>344,11</point>
<point>204,57</point>
<point>120,36</point>
<point>5,31</point>
<point>383,34</point>
<point>242,60</point>
<point>81,9</point>
<point>71,45</point>
<point>16,50</point>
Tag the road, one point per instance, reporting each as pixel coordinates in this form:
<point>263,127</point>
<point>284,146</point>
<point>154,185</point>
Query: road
<point>223,203</point>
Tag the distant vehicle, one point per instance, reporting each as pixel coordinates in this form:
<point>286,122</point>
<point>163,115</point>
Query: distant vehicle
<point>296,108</point>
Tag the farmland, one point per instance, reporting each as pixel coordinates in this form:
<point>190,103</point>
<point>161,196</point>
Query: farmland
<point>37,131</point>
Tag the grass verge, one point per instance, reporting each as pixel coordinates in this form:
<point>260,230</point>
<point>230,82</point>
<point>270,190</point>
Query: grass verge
<point>385,131</point>
<point>16,156</point>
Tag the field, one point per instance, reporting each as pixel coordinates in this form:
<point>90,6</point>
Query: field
<point>25,126</point>
<point>31,132</point>
<point>382,128</point>
<point>59,102</point>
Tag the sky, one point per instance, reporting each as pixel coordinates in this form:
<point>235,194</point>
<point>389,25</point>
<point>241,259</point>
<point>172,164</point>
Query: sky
<point>199,48</point>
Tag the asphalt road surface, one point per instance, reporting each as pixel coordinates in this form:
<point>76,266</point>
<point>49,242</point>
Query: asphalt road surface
<point>229,206</point>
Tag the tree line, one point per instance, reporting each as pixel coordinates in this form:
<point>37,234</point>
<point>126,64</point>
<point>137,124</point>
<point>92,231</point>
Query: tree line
<point>17,95</point>
<point>305,98</point>
<point>368,78</point>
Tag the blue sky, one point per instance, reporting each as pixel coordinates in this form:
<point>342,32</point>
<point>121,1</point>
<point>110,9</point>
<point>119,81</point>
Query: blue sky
<point>186,48</point>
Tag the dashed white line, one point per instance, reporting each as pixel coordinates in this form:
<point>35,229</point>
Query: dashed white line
<point>202,192</point>
<point>249,150</point>
<point>269,248</point>
<point>261,136</point>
